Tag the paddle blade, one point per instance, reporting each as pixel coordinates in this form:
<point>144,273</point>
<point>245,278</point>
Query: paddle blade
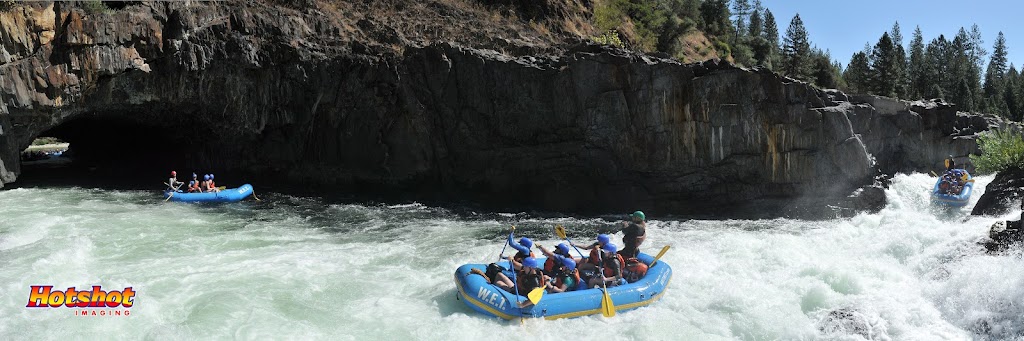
<point>535,295</point>
<point>607,307</point>
<point>560,231</point>
<point>662,253</point>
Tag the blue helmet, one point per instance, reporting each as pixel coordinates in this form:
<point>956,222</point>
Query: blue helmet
<point>526,242</point>
<point>569,263</point>
<point>611,248</point>
<point>194,175</point>
<point>563,247</point>
<point>604,239</point>
<point>531,262</point>
<point>211,176</point>
<point>206,177</point>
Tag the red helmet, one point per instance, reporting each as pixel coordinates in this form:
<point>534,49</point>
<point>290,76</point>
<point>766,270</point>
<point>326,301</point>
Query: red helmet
<point>173,173</point>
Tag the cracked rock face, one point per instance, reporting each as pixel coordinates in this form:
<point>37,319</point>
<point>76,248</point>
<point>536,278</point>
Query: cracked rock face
<point>356,104</point>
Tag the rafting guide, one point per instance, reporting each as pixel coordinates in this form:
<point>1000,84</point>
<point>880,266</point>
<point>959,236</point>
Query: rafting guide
<point>43,296</point>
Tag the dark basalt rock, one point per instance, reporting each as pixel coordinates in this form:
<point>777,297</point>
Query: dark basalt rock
<point>1004,234</point>
<point>351,101</point>
<point>1002,194</point>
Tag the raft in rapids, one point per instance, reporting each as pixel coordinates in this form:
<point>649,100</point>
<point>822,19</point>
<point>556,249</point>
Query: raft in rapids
<point>225,195</point>
<point>490,300</point>
<point>957,200</point>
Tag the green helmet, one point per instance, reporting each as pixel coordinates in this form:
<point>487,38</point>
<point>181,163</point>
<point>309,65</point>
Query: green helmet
<point>639,214</point>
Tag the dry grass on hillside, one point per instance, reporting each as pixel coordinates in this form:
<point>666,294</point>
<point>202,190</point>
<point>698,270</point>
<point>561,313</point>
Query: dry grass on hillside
<point>399,23</point>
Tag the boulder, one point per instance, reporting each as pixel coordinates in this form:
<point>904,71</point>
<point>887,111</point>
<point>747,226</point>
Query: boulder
<point>1003,194</point>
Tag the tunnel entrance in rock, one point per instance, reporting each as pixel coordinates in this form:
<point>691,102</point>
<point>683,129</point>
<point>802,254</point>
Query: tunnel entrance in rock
<point>114,152</point>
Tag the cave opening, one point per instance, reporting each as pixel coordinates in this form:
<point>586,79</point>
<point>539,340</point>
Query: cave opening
<point>111,152</point>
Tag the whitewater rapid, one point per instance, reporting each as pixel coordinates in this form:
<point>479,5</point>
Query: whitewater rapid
<point>298,268</point>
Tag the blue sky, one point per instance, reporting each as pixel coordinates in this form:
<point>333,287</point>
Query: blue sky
<point>843,27</point>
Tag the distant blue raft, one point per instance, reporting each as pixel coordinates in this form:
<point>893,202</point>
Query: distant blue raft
<point>490,300</point>
<point>225,195</point>
<point>958,200</point>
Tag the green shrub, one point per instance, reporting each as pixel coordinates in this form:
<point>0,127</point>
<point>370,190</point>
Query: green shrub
<point>1000,150</point>
<point>610,38</point>
<point>95,7</point>
<point>723,48</point>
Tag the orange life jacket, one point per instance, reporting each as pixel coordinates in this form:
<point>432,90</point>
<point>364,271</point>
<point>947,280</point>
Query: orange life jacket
<point>634,270</point>
<point>549,265</point>
<point>210,185</point>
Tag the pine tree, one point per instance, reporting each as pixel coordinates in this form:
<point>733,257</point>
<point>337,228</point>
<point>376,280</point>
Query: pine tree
<point>884,70</point>
<point>715,15</point>
<point>963,96</point>
<point>936,71</point>
<point>917,71</point>
<point>771,35</point>
<point>899,62</point>
<point>1012,94</point>
<point>961,69</point>
<point>756,21</point>
<point>857,73</point>
<point>996,68</point>
<point>741,9</point>
<point>824,72</point>
<point>796,50</point>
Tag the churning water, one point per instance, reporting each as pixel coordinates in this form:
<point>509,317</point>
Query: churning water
<point>299,268</point>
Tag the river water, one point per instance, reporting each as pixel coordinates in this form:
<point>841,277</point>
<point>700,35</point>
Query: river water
<point>300,268</point>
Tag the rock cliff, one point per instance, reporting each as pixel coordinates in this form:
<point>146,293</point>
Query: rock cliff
<point>346,97</point>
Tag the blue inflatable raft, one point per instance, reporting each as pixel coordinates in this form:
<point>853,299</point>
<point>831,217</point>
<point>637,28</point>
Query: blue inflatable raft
<point>490,300</point>
<point>958,200</point>
<point>226,195</point>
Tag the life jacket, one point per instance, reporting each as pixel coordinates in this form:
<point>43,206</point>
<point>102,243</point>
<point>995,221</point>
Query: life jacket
<point>533,280</point>
<point>634,270</point>
<point>549,266</point>
<point>193,186</point>
<point>559,279</point>
<point>594,258</point>
<point>210,185</point>
<point>520,256</point>
<point>641,238</point>
<point>608,270</point>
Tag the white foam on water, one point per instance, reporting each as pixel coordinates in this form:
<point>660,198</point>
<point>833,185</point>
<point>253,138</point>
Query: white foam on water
<point>295,268</point>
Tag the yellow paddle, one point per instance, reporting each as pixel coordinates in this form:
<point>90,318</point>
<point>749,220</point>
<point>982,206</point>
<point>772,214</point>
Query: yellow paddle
<point>560,232</point>
<point>607,306</point>
<point>535,295</point>
<point>662,253</point>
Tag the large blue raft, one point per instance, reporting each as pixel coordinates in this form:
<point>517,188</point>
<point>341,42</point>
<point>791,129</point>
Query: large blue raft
<point>959,200</point>
<point>226,195</point>
<point>490,300</point>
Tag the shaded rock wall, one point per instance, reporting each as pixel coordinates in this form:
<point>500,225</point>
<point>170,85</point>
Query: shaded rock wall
<point>273,91</point>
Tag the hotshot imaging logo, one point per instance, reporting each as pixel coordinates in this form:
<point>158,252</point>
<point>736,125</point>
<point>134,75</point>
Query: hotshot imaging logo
<point>43,296</point>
